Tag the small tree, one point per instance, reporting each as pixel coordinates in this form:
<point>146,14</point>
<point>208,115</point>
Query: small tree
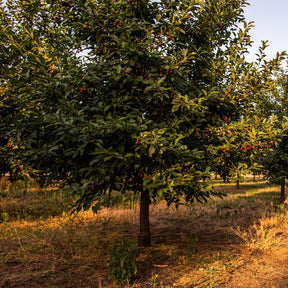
<point>275,163</point>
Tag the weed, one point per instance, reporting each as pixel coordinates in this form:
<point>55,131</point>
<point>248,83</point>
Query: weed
<point>280,212</point>
<point>4,217</point>
<point>211,272</point>
<point>153,281</point>
<point>192,240</point>
<point>122,265</point>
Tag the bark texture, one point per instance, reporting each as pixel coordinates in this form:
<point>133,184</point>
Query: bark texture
<point>144,238</point>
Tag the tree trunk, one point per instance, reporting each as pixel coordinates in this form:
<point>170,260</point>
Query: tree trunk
<point>282,195</point>
<point>144,238</point>
<point>238,184</point>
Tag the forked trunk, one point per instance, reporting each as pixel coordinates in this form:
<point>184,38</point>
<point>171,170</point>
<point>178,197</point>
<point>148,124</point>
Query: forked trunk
<point>144,238</point>
<point>282,195</point>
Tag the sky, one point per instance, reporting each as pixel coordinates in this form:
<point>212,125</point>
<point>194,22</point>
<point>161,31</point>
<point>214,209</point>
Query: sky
<point>271,23</point>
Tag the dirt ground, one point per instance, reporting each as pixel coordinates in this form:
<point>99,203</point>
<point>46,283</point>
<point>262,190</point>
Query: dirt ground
<point>240,241</point>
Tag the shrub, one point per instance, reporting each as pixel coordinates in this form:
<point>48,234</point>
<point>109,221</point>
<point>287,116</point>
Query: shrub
<point>122,265</point>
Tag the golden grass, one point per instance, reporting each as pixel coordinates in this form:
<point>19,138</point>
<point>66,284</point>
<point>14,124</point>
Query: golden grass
<point>267,233</point>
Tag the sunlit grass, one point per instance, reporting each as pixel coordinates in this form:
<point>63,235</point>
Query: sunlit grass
<point>268,233</point>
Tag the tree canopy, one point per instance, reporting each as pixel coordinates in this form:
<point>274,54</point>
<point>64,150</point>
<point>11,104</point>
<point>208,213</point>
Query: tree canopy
<point>117,95</point>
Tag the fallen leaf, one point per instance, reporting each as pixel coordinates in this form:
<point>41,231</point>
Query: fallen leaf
<point>160,266</point>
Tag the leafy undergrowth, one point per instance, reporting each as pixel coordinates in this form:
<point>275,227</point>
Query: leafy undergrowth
<point>240,241</point>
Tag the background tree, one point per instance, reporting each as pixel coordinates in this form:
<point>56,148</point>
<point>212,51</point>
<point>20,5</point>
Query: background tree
<point>275,165</point>
<point>262,121</point>
<point>275,160</point>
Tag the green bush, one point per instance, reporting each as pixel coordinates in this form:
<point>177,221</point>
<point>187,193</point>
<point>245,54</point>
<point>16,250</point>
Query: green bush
<point>122,265</point>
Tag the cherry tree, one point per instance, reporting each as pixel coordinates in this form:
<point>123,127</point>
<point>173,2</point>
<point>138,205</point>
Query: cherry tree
<point>117,95</point>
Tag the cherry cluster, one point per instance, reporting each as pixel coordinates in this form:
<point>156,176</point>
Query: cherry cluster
<point>263,145</point>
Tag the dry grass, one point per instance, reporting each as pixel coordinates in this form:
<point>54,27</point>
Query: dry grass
<point>242,242</point>
<point>267,233</point>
